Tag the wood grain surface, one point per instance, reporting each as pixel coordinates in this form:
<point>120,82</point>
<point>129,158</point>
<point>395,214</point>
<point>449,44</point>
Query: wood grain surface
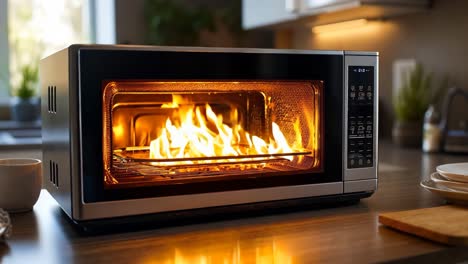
<point>445,224</point>
<point>348,234</point>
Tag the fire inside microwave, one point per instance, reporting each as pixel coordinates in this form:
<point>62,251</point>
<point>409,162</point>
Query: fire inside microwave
<point>175,132</point>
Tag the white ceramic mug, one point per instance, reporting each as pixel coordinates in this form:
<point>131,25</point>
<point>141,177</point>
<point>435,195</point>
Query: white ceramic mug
<point>20,184</point>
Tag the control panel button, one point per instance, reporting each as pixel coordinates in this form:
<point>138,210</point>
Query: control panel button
<point>360,129</point>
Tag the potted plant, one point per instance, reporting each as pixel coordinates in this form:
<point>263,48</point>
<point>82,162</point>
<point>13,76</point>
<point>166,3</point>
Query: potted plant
<point>173,23</point>
<point>410,104</point>
<point>25,106</point>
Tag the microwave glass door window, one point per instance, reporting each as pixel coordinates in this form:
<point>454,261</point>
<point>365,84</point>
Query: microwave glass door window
<point>159,133</point>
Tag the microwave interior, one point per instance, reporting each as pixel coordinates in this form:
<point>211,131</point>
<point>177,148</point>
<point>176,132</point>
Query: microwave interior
<point>159,133</point>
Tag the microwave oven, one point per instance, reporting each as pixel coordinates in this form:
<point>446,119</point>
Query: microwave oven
<point>142,131</point>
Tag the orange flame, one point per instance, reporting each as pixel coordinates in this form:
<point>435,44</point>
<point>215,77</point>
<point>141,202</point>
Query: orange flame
<point>198,132</point>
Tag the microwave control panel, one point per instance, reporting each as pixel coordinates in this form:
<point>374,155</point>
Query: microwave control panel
<point>360,117</point>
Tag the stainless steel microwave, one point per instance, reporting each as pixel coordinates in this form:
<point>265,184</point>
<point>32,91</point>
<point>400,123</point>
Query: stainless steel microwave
<point>141,131</point>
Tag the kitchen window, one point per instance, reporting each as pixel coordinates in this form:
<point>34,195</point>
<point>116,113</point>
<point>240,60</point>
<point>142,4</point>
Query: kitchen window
<point>33,29</point>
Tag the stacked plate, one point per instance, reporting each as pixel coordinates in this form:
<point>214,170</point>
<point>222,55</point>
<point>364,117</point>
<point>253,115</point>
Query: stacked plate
<point>450,181</point>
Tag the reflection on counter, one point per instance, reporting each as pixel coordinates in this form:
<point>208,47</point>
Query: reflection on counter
<point>232,253</point>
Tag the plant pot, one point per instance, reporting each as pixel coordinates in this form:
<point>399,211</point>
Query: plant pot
<point>407,134</point>
<point>24,110</point>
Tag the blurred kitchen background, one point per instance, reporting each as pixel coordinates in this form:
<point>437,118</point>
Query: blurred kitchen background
<point>422,46</point>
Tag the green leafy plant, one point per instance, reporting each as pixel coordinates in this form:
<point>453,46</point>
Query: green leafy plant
<point>172,23</point>
<point>28,83</point>
<point>415,96</point>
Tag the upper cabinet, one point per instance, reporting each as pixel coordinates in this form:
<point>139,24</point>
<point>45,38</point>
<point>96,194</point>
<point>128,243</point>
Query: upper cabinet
<point>270,13</point>
<point>260,13</point>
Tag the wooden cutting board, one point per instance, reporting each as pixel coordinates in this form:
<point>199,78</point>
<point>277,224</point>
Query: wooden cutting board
<point>445,224</point>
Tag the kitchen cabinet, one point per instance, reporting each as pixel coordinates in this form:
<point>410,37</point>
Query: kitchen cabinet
<point>259,13</point>
<point>268,13</point>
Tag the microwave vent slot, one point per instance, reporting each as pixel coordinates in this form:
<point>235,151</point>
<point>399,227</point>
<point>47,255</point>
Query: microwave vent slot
<point>53,173</point>
<point>52,99</point>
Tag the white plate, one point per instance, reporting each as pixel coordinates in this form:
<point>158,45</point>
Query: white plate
<point>457,186</point>
<point>454,171</point>
<point>447,193</point>
<point>435,176</point>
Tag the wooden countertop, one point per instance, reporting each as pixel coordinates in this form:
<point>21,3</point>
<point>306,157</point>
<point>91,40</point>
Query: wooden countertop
<point>338,235</point>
